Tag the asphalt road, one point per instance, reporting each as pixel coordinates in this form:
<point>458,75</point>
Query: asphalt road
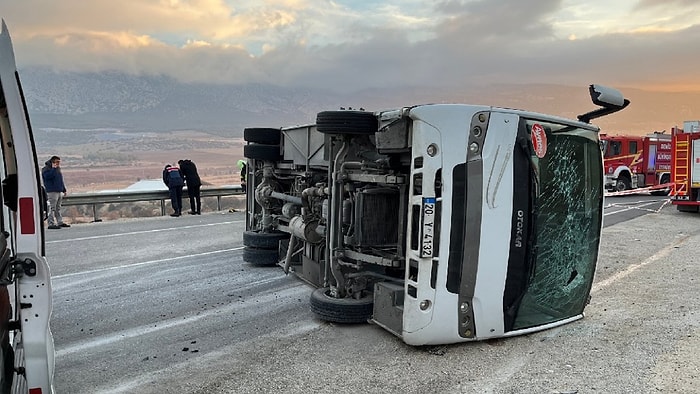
<point>622,208</point>
<point>137,298</point>
<point>167,305</point>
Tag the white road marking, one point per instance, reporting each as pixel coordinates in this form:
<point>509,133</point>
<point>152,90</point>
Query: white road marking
<point>633,267</point>
<point>631,208</point>
<point>118,267</point>
<point>140,232</point>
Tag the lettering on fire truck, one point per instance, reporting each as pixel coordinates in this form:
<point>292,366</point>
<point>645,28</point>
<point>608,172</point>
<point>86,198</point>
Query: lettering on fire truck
<point>635,161</point>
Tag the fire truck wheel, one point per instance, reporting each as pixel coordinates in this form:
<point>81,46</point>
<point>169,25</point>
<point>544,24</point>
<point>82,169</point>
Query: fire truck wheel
<point>341,310</point>
<point>688,208</point>
<point>346,122</point>
<point>259,240</point>
<point>262,152</point>
<point>622,184</point>
<point>663,192</point>
<point>260,257</point>
<point>267,136</point>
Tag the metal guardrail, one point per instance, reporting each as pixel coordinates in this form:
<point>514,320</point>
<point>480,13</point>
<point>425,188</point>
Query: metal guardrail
<point>95,199</point>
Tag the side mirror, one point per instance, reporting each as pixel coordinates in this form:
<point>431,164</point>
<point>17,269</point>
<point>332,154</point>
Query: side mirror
<point>606,97</point>
<point>611,101</point>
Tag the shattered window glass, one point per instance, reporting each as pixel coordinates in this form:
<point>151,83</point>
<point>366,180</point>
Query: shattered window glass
<point>567,225</point>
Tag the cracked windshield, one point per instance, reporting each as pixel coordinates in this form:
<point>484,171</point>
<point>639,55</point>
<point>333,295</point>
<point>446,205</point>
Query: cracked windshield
<point>569,214</point>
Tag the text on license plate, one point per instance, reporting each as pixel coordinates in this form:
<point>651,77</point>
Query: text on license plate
<point>428,233</point>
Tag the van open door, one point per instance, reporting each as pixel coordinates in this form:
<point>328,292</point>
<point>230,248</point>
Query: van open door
<point>26,343</point>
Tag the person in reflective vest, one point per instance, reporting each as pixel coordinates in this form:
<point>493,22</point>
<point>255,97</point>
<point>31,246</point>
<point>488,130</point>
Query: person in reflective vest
<point>172,177</point>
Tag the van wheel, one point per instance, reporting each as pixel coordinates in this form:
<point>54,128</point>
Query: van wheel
<point>262,152</point>
<point>259,240</point>
<point>267,136</point>
<point>260,257</point>
<point>347,122</point>
<point>341,310</point>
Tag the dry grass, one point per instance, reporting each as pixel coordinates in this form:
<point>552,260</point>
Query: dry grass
<point>127,162</point>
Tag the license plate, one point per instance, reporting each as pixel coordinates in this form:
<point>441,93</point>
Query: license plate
<point>428,227</point>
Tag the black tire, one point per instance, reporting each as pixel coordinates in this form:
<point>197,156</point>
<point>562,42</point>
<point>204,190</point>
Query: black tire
<point>623,183</point>
<point>260,257</point>
<point>341,310</point>
<point>259,240</point>
<point>267,136</point>
<point>346,122</point>
<point>262,152</point>
<point>688,208</point>
<point>663,192</point>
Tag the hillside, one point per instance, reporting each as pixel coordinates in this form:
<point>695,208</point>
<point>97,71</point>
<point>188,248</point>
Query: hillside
<point>113,129</point>
<point>66,100</point>
<point>156,103</point>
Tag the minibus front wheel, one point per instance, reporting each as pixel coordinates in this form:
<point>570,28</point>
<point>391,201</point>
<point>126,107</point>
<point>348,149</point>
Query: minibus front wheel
<point>341,310</point>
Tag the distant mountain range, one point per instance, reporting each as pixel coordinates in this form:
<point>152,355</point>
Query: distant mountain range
<point>69,100</point>
<point>156,103</point>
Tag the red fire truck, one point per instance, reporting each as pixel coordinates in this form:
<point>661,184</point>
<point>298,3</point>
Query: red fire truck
<point>685,170</point>
<point>632,162</point>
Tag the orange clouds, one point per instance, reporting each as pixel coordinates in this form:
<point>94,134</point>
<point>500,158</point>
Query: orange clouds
<point>325,42</point>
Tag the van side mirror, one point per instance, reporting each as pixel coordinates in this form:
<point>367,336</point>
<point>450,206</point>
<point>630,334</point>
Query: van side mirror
<point>611,101</point>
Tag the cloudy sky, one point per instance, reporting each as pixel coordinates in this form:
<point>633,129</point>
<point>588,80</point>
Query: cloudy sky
<point>356,44</point>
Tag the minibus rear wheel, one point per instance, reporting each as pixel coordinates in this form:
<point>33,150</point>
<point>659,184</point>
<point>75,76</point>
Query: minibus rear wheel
<point>259,135</point>
<point>256,239</point>
<point>260,257</point>
<point>262,152</point>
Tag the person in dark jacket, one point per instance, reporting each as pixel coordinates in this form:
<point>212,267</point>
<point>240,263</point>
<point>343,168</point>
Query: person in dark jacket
<point>172,177</point>
<point>55,191</point>
<point>244,170</point>
<point>194,184</point>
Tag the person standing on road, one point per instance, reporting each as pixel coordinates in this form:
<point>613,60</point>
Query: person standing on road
<point>172,177</point>
<point>55,190</point>
<point>194,184</point>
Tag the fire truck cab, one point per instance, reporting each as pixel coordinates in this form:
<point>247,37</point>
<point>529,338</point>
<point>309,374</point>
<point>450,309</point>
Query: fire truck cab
<point>633,162</point>
<point>685,170</point>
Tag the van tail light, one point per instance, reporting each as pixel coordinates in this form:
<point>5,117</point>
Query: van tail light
<point>26,216</point>
<point>35,391</point>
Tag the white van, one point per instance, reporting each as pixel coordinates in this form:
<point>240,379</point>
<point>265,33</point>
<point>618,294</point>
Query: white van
<point>26,344</point>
